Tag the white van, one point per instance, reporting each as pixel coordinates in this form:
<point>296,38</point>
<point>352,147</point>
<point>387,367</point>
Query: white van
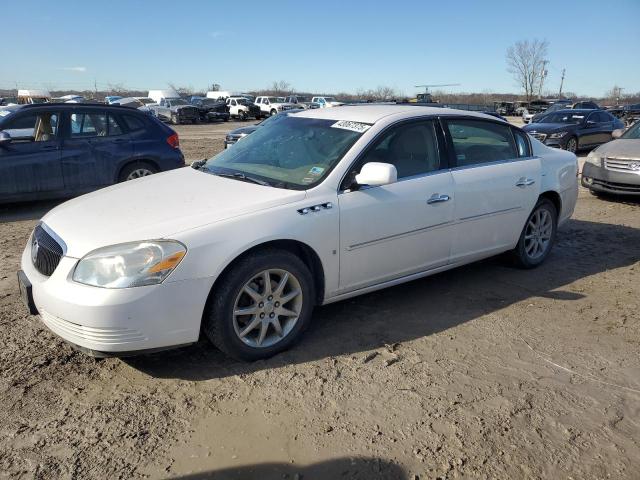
<point>33,96</point>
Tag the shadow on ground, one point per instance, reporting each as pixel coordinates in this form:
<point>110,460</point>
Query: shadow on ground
<point>423,307</point>
<point>347,468</point>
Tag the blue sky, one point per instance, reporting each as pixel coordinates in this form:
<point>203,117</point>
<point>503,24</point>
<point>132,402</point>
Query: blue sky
<point>327,46</point>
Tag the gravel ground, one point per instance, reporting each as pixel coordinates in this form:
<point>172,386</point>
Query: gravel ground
<point>481,372</point>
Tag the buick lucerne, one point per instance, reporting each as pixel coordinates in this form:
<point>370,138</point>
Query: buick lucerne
<point>316,207</point>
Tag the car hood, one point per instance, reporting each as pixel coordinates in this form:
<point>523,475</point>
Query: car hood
<point>622,147</point>
<point>244,130</point>
<point>183,107</point>
<point>158,206</point>
<point>549,127</point>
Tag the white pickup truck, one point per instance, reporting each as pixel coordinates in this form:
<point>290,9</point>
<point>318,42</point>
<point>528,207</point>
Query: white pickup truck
<point>273,105</point>
<point>242,108</point>
<point>326,102</point>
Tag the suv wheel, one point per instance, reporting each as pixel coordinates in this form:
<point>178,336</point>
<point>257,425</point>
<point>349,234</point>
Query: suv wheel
<point>273,112</point>
<point>136,170</point>
<point>174,119</point>
<point>261,307</point>
<point>538,235</point>
<point>242,115</point>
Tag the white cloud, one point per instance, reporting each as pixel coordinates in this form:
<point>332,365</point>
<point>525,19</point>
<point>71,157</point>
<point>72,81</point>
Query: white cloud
<point>75,69</point>
<point>216,34</point>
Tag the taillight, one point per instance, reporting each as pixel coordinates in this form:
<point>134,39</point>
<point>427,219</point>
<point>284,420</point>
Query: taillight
<point>174,141</point>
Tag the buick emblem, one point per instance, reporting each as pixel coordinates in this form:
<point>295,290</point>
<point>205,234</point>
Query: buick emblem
<point>34,249</point>
<point>634,165</point>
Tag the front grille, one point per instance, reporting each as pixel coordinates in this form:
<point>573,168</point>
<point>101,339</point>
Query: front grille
<point>46,252</point>
<point>622,165</point>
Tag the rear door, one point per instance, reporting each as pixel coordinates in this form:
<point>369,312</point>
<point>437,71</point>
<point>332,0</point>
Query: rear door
<point>497,183</point>
<point>30,163</point>
<point>95,146</point>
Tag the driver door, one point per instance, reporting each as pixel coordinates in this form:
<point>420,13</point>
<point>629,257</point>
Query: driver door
<point>395,230</point>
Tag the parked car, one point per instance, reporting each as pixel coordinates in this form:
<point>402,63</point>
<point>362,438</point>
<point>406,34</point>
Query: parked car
<point>272,105</point>
<point>111,99</point>
<point>316,207</point>
<point>242,108</point>
<point>146,100</point>
<point>563,105</point>
<point>301,101</point>
<point>218,95</point>
<point>210,109</point>
<point>615,166</point>
<point>324,102</point>
<point>61,150</point>
<point>574,130</point>
<point>5,101</point>
<point>239,133</point>
<point>175,110</point>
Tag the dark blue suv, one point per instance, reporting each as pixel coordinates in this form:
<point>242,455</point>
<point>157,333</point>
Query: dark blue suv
<point>60,150</point>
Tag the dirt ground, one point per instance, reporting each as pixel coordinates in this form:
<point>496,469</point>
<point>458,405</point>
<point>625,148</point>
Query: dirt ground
<point>482,372</point>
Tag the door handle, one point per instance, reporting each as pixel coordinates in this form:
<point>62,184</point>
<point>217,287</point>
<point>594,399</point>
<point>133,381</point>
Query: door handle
<point>437,198</point>
<point>525,182</point>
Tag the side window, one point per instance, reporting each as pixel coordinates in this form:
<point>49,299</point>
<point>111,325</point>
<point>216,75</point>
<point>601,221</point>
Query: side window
<point>233,103</point>
<point>35,127</point>
<point>522,143</point>
<point>114,127</point>
<point>133,123</point>
<point>90,124</point>
<point>478,141</point>
<point>412,148</point>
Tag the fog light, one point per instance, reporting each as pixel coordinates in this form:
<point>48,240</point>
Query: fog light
<point>588,180</point>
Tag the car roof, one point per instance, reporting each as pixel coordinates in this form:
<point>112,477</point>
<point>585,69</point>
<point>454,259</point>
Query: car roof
<point>75,106</point>
<point>577,110</point>
<point>371,113</point>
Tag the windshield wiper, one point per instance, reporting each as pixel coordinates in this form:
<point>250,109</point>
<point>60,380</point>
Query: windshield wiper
<point>198,164</point>
<point>243,177</point>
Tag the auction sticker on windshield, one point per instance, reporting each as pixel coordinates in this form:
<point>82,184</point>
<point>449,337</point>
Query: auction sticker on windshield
<point>4,113</point>
<point>353,126</point>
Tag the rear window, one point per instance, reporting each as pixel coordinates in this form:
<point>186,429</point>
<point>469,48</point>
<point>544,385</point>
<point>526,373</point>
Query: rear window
<point>477,141</point>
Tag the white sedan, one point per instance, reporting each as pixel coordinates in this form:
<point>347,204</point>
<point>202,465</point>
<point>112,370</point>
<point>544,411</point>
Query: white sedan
<point>313,208</point>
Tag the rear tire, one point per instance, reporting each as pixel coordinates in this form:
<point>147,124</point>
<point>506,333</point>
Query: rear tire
<point>233,333</point>
<point>273,112</point>
<point>538,236</point>
<point>136,170</point>
<point>242,115</point>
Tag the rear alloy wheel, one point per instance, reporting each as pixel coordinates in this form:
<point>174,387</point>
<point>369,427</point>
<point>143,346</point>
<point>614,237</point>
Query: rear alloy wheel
<point>538,235</point>
<point>274,112</point>
<point>572,145</point>
<point>137,170</point>
<point>261,306</point>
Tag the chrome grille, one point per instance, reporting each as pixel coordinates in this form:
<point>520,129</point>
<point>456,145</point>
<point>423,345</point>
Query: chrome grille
<point>46,252</point>
<point>622,165</point>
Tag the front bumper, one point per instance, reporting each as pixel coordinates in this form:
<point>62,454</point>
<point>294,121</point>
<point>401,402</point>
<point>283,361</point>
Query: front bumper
<point>117,322</point>
<point>599,179</point>
<point>218,115</point>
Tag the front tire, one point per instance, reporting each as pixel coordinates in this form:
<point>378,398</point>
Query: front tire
<point>538,235</point>
<point>136,170</point>
<point>273,112</point>
<point>242,116</point>
<point>572,145</point>
<point>175,120</point>
<point>261,306</point>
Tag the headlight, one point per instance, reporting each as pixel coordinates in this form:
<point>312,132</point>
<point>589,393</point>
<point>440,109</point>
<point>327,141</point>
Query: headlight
<point>594,159</point>
<point>130,264</point>
<point>558,135</point>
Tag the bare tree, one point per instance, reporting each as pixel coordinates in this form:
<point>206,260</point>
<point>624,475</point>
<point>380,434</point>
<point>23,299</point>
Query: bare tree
<point>614,95</point>
<point>182,91</point>
<point>117,89</point>
<point>281,87</point>
<point>525,61</point>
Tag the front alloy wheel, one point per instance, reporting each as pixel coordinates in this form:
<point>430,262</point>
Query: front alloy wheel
<point>572,145</point>
<point>261,305</point>
<point>267,308</point>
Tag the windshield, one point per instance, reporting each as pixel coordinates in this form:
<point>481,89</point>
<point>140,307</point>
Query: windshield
<point>177,101</point>
<point>288,151</point>
<point>146,101</point>
<point>564,117</point>
<point>302,99</point>
<point>243,101</point>
<point>210,101</point>
<point>39,100</point>
<point>330,99</point>
<point>633,133</point>
<point>276,99</point>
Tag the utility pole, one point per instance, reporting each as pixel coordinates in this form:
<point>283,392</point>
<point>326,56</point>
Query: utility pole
<point>543,74</point>
<point>561,83</point>
<point>95,88</point>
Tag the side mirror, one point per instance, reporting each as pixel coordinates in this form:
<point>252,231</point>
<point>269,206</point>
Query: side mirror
<point>590,123</point>
<point>376,173</point>
<point>5,138</point>
<point>617,133</point>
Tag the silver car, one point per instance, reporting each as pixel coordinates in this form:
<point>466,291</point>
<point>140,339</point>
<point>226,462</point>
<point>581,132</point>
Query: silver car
<point>615,166</point>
